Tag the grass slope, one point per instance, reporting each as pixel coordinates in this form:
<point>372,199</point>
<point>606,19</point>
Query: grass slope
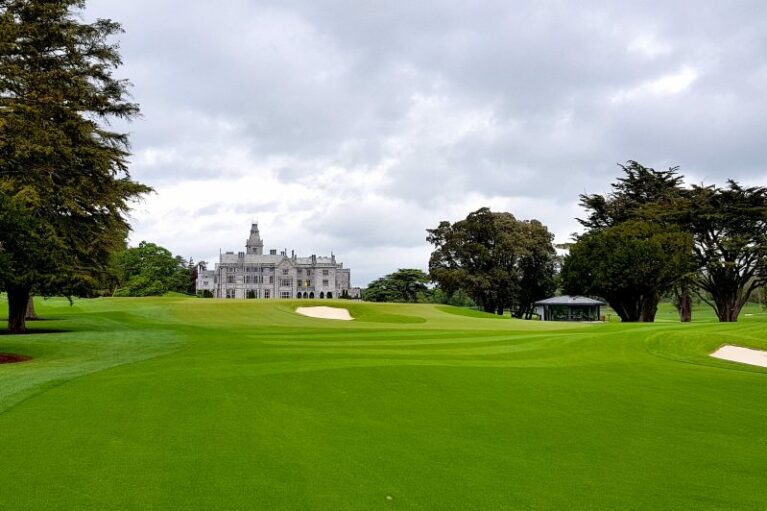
<point>179,403</point>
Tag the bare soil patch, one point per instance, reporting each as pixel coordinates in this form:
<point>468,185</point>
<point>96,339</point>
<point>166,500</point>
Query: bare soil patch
<point>12,358</point>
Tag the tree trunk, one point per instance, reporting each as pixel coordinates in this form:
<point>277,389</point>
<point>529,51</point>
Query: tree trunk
<point>727,309</point>
<point>649,308</point>
<point>684,306</point>
<point>18,299</point>
<point>31,315</point>
<point>500,311</point>
<point>628,311</point>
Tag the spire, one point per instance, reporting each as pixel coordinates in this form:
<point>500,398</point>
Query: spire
<point>254,244</point>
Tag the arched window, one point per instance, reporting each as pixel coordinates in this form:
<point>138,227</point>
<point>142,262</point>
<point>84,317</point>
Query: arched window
<point>306,295</point>
<point>322,295</point>
<point>311,295</point>
<point>330,295</point>
<point>298,295</point>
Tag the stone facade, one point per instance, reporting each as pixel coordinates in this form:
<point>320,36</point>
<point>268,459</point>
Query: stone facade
<point>253,274</point>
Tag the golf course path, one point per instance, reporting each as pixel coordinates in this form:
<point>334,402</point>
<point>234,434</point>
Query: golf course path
<point>325,313</point>
<point>742,355</point>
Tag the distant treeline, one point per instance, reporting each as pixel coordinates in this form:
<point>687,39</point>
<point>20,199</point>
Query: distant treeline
<point>650,238</point>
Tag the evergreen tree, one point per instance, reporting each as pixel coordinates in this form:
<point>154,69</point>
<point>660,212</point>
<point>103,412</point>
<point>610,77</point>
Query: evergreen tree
<point>631,265</point>
<point>643,194</point>
<point>64,183</point>
<point>730,229</point>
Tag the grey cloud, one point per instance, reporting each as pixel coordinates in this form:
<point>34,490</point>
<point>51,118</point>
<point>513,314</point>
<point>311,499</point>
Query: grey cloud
<point>226,89</point>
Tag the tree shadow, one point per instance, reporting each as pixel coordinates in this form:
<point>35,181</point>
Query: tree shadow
<point>13,358</point>
<point>34,331</point>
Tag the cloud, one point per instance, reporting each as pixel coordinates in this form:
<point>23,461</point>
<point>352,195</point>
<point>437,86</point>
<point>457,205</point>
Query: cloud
<point>665,85</point>
<point>354,126</point>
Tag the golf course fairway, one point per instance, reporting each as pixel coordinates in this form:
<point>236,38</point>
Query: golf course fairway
<point>184,403</point>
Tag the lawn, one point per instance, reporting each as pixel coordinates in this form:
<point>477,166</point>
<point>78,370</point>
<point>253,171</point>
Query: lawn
<point>182,403</point>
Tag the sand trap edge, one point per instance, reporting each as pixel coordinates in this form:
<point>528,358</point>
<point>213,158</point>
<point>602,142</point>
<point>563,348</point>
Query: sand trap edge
<point>742,355</point>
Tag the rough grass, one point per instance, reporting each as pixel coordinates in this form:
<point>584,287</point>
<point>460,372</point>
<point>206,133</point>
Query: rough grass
<point>182,403</point>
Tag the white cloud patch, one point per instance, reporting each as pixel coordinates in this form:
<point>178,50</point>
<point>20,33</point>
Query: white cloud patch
<point>665,85</point>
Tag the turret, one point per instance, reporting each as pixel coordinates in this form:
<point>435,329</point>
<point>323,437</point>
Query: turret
<point>254,245</point>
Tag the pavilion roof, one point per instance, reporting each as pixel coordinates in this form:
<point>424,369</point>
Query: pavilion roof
<point>569,300</point>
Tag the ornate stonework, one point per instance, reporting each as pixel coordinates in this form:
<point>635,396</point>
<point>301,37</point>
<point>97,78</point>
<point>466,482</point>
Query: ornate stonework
<point>253,274</point>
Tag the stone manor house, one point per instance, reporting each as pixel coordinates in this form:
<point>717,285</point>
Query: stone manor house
<point>253,274</point>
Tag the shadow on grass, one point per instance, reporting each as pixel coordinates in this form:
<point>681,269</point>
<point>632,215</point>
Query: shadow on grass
<point>34,331</point>
<point>13,358</point>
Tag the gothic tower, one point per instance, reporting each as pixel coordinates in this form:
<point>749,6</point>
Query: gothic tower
<point>254,245</point>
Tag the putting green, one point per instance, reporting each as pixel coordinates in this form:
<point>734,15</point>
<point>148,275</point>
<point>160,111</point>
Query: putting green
<point>181,403</point>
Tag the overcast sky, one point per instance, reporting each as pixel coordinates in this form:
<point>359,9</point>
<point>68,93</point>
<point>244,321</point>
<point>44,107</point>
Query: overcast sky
<point>353,126</point>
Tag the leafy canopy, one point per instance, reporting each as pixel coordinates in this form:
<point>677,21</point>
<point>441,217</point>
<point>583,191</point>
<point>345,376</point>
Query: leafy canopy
<point>151,270</point>
<point>404,285</point>
<point>499,261</point>
<point>631,265</point>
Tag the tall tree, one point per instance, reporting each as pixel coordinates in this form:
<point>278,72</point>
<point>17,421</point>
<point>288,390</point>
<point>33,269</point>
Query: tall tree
<point>64,183</point>
<point>491,256</point>
<point>631,265</point>
<point>643,194</point>
<point>730,229</point>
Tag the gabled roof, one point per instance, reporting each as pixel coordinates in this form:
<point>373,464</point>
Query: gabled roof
<point>569,300</point>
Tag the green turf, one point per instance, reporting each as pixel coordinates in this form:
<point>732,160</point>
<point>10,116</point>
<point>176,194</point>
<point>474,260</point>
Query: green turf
<point>183,403</point>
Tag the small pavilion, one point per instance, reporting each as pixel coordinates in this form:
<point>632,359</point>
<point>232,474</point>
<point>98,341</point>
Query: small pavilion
<point>569,308</point>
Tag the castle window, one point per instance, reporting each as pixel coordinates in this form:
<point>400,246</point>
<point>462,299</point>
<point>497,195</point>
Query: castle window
<point>230,279</point>
<point>325,282</point>
<point>285,294</point>
<point>324,273</point>
<point>285,271</point>
<point>267,293</point>
<point>285,282</point>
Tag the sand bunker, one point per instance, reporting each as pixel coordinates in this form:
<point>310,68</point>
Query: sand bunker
<point>325,313</point>
<point>742,355</point>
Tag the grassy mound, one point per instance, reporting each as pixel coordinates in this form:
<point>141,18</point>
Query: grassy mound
<point>182,403</point>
